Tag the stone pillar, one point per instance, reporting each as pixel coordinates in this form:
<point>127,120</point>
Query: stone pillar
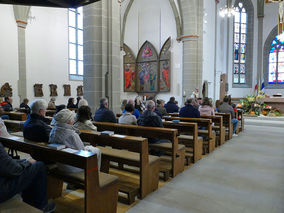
<point>21,15</point>
<point>260,16</point>
<point>192,15</point>
<point>102,53</point>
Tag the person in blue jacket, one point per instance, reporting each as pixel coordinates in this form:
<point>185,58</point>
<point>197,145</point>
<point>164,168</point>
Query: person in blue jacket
<point>171,107</point>
<point>189,111</point>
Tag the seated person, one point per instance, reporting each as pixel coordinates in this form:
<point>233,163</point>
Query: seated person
<point>65,133</point>
<point>83,119</point>
<point>127,117</point>
<point>83,102</point>
<point>136,112</point>
<point>25,105</point>
<point>27,177</point>
<point>226,108</point>
<point>58,109</point>
<point>161,107</point>
<point>3,116</point>
<point>171,107</point>
<point>103,114</point>
<point>7,104</point>
<point>71,103</point>
<point>123,104</point>
<point>36,127</point>
<point>189,111</point>
<point>78,100</point>
<point>3,129</point>
<point>206,107</point>
<point>51,104</point>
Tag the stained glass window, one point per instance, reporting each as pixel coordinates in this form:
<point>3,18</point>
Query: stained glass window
<point>240,44</point>
<point>276,61</point>
<point>75,28</point>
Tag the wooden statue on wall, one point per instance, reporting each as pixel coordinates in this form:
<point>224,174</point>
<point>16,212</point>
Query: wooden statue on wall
<point>80,90</point>
<point>38,90</point>
<point>53,88</point>
<point>67,89</point>
<point>6,90</point>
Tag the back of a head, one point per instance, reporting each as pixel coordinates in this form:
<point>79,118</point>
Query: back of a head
<point>103,102</point>
<point>172,99</point>
<point>37,105</point>
<point>26,101</point>
<point>64,116</point>
<point>131,101</point>
<point>150,105</point>
<point>70,100</point>
<point>59,108</point>
<point>6,99</point>
<point>206,102</point>
<point>83,102</point>
<point>84,113</point>
<point>188,101</point>
<point>226,99</point>
<point>129,107</point>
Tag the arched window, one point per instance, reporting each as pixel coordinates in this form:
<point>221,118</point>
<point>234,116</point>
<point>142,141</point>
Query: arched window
<point>276,61</point>
<point>243,34</point>
<point>75,29</point>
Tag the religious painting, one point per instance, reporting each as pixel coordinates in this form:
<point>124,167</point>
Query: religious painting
<point>53,89</point>
<point>6,90</point>
<point>128,69</point>
<point>147,69</point>
<point>80,90</point>
<point>165,67</point>
<point>67,89</point>
<point>38,90</point>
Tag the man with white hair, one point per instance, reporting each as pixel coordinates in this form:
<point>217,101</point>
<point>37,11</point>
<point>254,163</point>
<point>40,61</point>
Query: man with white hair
<point>103,114</point>
<point>36,127</point>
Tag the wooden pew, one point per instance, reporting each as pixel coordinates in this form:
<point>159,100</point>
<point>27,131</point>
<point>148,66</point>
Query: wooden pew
<point>177,151</point>
<point>209,144</point>
<point>50,112</point>
<point>14,126</point>
<point>19,116</point>
<point>188,135</point>
<point>101,190</point>
<point>129,150</point>
<point>14,205</point>
<point>227,123</point>
<point>241,119</point>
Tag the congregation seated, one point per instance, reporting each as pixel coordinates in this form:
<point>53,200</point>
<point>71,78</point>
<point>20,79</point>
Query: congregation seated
<point>51,104</point>
<point>25,177</point>
<point>171,106</point>
<point>225,107</point>
<point>206,107</point>
<point>189,111</point>
<point>83,119</point>
<point>136,112</point>
<point>25,105</point>
<point>64,133</point>
<point>127,117</point>
<point>36,127</point>
<point>70,103</point>
<point>161,107</point>
<point>7,104</point>
<point>103,114</point>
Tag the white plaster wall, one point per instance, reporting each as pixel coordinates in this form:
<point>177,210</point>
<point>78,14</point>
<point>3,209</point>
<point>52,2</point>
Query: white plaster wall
<point>46,52</point>
<point>154,21</point>
<point>9,50</point>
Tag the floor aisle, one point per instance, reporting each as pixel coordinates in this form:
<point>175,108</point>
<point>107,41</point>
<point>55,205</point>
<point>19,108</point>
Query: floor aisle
<point>245,175</point>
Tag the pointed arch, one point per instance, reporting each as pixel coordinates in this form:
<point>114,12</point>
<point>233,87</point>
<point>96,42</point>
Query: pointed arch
<point>128,69</point>
<point>147,69</point>
<point>165,66</point>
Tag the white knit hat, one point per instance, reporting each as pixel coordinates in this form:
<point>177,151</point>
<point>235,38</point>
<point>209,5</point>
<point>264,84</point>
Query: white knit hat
<point>64,116</point>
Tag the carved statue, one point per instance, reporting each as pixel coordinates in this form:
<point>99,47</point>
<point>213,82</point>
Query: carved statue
<point>6,90</point>
<point>53,88</point>
<point>80,90</point>
<point>67,89</point>
<point>38,90</point>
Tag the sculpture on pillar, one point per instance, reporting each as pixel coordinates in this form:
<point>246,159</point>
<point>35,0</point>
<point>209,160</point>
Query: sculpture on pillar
<point>53,89</point>
<point>80,90</point>
<point>38,90</point>
<point>67,89</point>
<point>6,90</point>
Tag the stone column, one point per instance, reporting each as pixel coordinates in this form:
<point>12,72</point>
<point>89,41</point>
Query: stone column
<point>102,53</point>
<point>21,15</point>
<point>260,16</point>
<point>192,15</point>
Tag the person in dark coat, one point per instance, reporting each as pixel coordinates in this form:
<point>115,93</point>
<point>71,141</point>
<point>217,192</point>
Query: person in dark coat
<point>7,104</point>
<point>189,111</point>
<point>71,103</point>
<point>103,114</point>
<point>25,105</point>
<point>171,107</point>
<point>36,127</point>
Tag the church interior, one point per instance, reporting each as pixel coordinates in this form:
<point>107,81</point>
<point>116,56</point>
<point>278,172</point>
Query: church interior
<point>128,56</point>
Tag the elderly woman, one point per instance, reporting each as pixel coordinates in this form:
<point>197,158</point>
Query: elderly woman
<point>83,119</point>
<point>65,133</point>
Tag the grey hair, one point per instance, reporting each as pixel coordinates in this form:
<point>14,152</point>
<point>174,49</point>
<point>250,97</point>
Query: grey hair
<point>103,101</point>
<point>37,105</point>
<point>150,105</point>
<point>83,102</point>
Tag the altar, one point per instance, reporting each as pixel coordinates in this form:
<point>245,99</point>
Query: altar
<point>275,102</point>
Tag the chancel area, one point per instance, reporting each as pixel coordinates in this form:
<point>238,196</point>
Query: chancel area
<point>138,106</point>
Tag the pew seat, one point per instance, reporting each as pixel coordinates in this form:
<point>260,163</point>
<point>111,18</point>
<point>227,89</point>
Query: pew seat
<point>15,205</point>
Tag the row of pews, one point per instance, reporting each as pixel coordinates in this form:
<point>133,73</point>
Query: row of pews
<point>128,150</point>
